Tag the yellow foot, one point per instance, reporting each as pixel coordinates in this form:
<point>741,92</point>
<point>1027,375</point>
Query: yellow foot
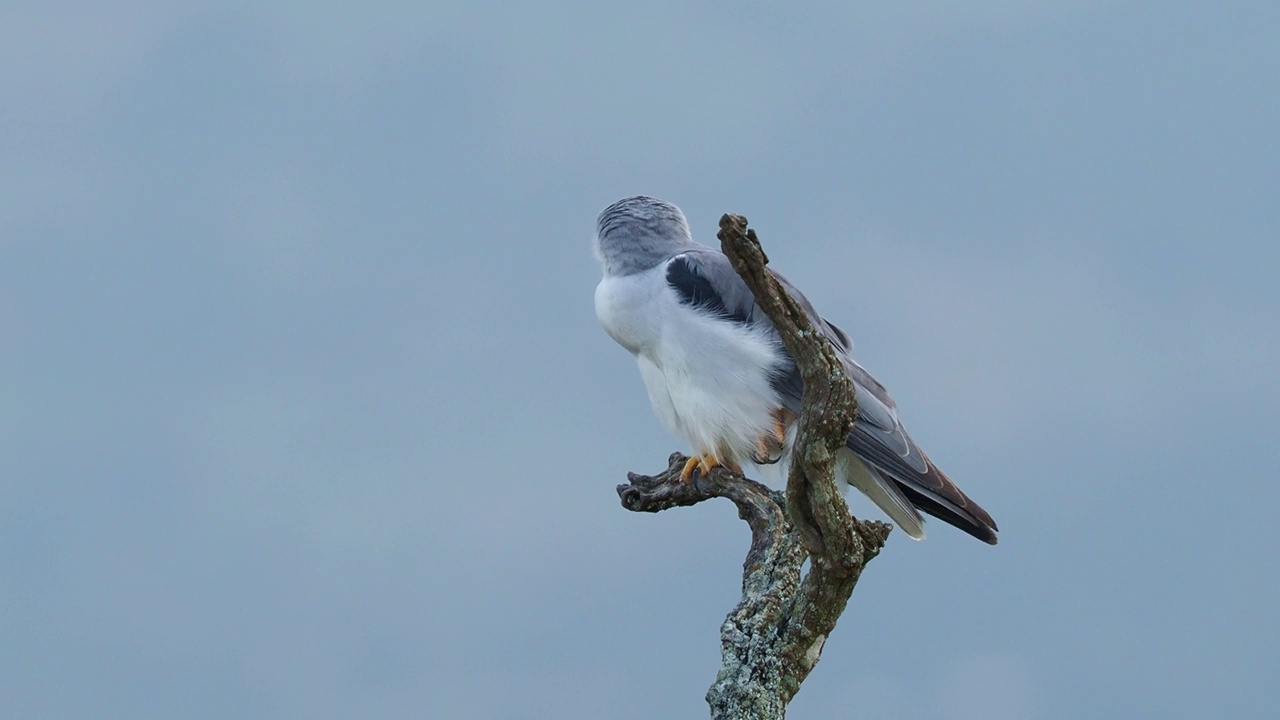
<point>705,463</point>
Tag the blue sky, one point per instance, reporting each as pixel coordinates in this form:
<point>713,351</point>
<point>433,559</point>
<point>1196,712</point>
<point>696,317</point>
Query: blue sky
<point>304,410</point>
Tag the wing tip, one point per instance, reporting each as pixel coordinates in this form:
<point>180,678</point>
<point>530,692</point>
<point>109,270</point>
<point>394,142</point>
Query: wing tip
<point>988,536</point>
<point>983,533</point>
<point>971,518</point>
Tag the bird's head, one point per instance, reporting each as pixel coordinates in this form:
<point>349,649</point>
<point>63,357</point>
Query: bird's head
<point>638,233</point>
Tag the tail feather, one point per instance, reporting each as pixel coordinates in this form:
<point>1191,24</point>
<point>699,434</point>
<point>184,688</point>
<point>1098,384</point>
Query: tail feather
<point>882,491</point>
<point>965,520</point>
<point>932,492</point>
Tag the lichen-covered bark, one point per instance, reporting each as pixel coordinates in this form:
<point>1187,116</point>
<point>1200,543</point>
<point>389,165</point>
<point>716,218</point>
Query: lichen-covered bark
<point>774,637</point>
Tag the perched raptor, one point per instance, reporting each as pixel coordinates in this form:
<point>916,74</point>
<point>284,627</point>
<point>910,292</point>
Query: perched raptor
<point>718,374</point>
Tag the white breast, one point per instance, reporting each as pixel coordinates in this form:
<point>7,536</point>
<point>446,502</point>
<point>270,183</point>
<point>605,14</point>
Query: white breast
<point>627,307</point>
<point>708,378</point>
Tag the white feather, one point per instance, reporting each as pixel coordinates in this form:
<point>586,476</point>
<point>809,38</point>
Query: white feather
<point>708,379</point>
<point>850,470</point>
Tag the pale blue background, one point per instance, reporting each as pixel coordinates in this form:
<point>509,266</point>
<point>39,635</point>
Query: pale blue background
<point>304,411</point>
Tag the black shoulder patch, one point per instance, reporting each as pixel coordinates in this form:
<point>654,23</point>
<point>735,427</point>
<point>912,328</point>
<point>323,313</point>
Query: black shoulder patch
<point>696,291</point>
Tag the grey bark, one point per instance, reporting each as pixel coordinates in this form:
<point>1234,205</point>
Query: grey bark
<point>773,638</point>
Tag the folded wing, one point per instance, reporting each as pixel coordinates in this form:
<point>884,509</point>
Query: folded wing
<point>898,469</point>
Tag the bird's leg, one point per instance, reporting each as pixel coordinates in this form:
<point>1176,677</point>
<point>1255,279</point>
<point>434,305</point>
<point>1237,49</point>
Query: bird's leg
<point>762,455</point>
<point>769,445</point>
<point>781,418</point>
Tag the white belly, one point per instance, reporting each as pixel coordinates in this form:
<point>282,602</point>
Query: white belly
<point>708,379</point>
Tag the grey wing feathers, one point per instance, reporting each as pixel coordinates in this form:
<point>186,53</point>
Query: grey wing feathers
<point>879,438</point>
<point>705,278</point>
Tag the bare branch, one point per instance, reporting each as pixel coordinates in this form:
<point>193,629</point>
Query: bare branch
<point>760,506</point>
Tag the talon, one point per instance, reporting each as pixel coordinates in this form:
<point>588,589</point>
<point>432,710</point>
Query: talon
<point>704,464</point>
<point>686,475</point>
<point>762,453</point>
<point>769,446</point>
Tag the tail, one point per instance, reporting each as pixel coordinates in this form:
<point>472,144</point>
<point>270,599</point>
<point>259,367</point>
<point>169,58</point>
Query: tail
<point>901,500</point>
<point>960,512</point>
<point>881,490</point>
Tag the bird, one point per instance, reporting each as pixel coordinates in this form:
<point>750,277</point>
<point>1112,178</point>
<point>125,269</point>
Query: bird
<point>718,375</point>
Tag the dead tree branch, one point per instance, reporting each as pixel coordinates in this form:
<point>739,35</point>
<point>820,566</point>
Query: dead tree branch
<point>774,637</point>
